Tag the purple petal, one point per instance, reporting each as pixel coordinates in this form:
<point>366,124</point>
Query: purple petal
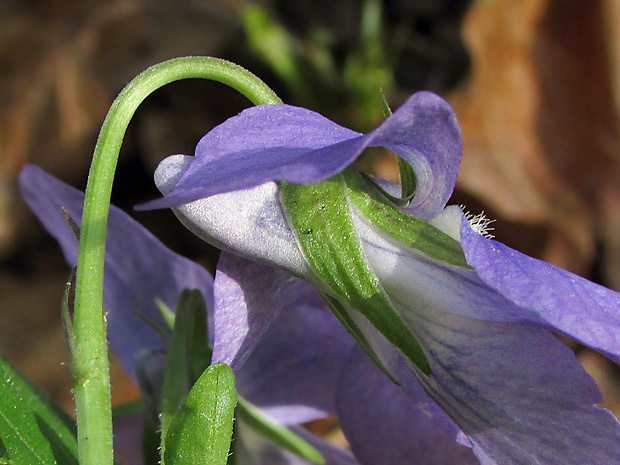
<point>386,425</point>
<point>285,346</point>
<point>547,295</point>
<point>516,391</point>
<point>138,267</point>
<point>250,222</point>
<point>128,432</point>
<point>280,142</point>
<point>248,298</point>
<point>424,131</point>
<point>297,362</point>
<point>264,143</point>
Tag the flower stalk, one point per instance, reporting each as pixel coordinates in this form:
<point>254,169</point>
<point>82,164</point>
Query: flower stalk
<point>90,358</point>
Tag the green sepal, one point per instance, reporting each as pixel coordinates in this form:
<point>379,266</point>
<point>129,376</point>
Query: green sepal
<point>200,432</point>
<point>406,229</point>
<point>399,201</point>
<point>32,431</point>
<point>279,435</point>
<point>408,181</point>
<point>322,218</point>
<point>406,173</point>
<point>188,354</point>
<point>339,311</point>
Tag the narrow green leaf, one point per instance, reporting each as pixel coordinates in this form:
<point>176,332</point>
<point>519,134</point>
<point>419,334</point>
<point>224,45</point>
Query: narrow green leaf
<point>321,215</point>
<point>275,46</point>
<point>65,313</point>
<point>406,229</point>
<point>167,314</point>
<point>72,224</point>
<point>387,111</point>
<point>188,339</point>
<point>31,431</point>
<point>200,432</point>
<point>280,435</point>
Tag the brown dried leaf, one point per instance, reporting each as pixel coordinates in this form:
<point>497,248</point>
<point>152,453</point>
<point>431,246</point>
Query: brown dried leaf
<point>540,135</point>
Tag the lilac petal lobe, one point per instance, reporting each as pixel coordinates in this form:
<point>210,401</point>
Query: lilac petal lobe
<point>249,222</point>
<point>297,363</point>
<point>548,295</point>
<point>384,424</point>
<point>138,267</point>
<point>284,143</point>
<point>241,318</point>
<point>261,144</point>
<point>285,347</point>
<point>424,131</point>
<point>517,392</point>
<point>248,298</point>
<point>333,455</point>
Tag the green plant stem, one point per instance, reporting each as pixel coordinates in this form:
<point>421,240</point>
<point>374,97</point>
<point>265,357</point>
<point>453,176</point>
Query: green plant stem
<point>90,358</point>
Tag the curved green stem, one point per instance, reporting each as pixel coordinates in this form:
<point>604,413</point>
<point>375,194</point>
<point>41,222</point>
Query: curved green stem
<point>90,359</point>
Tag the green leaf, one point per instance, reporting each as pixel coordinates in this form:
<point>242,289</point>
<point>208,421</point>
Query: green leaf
<point>31,431</point>
<point>275,46</point>
<point>321,215</point>
<point>280,435</point>
<point>406,229</point>
<point>200,432</point>
<point>167,314</point>
<point>188,353</point>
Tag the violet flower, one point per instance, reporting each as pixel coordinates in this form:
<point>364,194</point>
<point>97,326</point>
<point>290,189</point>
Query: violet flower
<point>139,269</point>
<point>500,382</point>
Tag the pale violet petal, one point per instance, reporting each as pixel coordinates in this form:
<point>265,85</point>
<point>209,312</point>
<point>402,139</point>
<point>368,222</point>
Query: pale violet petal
<point>240,318</point>
<point>424,131</point>
<point>516,391</point>
<point>285,346</point>
<point>548,295</point>
<point>388,423</point>
<point>138,268</point>
<point>497,377</point>
<point>449,221</point>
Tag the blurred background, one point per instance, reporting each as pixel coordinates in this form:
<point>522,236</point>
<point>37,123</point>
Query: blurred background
<point>535,84</point>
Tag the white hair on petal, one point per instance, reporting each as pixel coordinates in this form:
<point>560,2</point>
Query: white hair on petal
<point>479,223</point>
